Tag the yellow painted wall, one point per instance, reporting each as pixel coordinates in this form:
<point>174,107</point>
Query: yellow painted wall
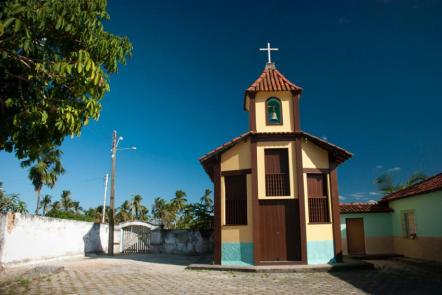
<point>237,158</point>
<point>314,156</point>
<point>287,112</point>
<point>261,146</point>
<point>237,233</point>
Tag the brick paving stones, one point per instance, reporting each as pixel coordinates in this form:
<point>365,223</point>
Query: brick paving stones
<point>160,274</point>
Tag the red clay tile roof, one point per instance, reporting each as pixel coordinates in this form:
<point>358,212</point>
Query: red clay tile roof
<point>431,184</point>
<point>272,80</point>
<point>340,154</point>
<point>363,208</point>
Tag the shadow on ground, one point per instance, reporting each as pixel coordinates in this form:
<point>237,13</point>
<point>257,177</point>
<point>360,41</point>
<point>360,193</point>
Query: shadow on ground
<point>161,258</point>
<point>395,277</point>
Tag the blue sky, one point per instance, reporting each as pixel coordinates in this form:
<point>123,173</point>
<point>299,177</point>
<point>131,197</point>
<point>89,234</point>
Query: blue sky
<point>371,73</point>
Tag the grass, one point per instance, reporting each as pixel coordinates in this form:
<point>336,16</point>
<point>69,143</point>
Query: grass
<point>24,282</point>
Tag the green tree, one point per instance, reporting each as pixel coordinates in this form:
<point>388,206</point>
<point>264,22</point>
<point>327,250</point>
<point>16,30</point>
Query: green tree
<point>206,199</point>
<point>65,200</point>
<point>56,205</point>
<point>45,202</point>
<point>76,207</point>
<point>164,212</point>
<point>11,202</point>
<point>136,205</point>
<point>387,185</point>
<point>124,212</point>
<point>45,171</point>
<point>179,202</point>
<point>144,214</point>
<point>55,64</point>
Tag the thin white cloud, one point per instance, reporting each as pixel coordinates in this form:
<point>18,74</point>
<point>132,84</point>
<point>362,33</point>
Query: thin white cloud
<point>379,167</point>
<point>374,193</point>
<point>359,195</point>
<point>324,137</point>
<point>394,169</point>
<point>342,198</point>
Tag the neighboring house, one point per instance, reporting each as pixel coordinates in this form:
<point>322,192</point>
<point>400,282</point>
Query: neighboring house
<point>276,190</point>
<point>407,222</point>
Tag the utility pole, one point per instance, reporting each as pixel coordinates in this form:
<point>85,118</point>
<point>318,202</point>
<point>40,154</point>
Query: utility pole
<point>114,150</point>
<point>106,178</point>
<point>112,196</point>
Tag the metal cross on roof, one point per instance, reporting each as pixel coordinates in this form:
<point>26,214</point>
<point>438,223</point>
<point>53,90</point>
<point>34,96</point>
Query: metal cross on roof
<point>269,50</point>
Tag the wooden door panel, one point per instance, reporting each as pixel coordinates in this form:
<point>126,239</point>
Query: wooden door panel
<point>355,236</point>
<point>279,230</point>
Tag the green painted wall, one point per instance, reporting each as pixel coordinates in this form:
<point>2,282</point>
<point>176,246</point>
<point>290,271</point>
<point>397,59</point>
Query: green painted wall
<point>428,213</point>
<point>375,224</point>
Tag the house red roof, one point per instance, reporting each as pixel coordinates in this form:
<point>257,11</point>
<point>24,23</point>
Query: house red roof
<point>272,80</point>
<point>429,185</point>
<point>363,208</point>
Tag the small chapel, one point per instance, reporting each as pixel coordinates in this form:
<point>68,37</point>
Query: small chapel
<point>275,186</point>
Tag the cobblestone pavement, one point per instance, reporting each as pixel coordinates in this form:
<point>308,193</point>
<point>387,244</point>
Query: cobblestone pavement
<point>156,274</point>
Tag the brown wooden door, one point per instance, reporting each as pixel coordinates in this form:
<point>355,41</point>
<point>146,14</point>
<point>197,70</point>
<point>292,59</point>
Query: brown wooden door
<point>279,231</point>
<point>355,236</point>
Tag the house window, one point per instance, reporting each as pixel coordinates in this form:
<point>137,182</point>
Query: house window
<point>273,111</point>
<point>408,224</point>
<point>317,198</point>
<point>236,199</point>
<point>277,172</point>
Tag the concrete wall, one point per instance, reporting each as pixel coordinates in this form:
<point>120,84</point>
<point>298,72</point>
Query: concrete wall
<point>29,238</point>
<point>377,229</point>
<point>428,218</point>
<point>25,238</point>
<point>185,242</point>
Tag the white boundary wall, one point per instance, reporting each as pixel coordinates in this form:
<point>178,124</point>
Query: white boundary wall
<point>28,238</point>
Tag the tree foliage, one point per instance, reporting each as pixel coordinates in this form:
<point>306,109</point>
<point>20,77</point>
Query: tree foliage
<point>387,185</point>
<point>11,202</point>
<point>55,63</point>
<point>45,171</point>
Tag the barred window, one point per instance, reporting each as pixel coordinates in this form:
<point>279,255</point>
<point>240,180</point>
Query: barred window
<point>318,198</point>
<point>236,199</point>
<point>277,172</point>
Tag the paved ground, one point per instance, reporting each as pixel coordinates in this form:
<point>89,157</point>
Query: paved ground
<point>156,274</point>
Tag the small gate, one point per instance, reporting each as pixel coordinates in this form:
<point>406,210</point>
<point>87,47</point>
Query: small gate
<point>135,239</point>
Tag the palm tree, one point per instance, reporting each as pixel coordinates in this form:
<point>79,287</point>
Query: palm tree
<point>386,185</point>
<point>76,206</point>
<point>45,172</point>
<point>144,213</point>
<point>206,199</point>
<point>124,212</point>
<point>416,177</point>
<point>180,200</point>
<point>45,202</point>
<point>136,205</point>
<point>158,208</point>
<point>56,205</point>
<point>164,212</point>
<point>66,201</point>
